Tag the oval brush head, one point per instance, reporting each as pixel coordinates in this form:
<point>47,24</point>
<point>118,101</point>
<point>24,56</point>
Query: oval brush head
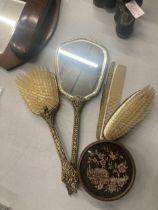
<point>131,112</point>
<point>39,89</point>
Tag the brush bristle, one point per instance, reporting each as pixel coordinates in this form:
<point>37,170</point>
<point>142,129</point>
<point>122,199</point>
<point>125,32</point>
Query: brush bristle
<point>131,112</point>
<point>39,89</point>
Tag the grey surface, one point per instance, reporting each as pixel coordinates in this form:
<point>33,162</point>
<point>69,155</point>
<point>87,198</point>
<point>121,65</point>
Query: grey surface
<point>30,168</point>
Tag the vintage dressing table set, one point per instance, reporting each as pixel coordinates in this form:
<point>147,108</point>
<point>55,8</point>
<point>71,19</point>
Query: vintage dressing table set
<point>106,169</point>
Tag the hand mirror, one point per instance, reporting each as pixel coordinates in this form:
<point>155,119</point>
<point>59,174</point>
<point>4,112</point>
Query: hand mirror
<point>25,27</point>
<point>81,66</point>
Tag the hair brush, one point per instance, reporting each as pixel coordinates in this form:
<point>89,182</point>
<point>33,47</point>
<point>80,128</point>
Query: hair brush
<point>39,89</point>
<point>129,114</point>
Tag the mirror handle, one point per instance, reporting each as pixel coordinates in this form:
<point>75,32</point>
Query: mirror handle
<point>78,103</point>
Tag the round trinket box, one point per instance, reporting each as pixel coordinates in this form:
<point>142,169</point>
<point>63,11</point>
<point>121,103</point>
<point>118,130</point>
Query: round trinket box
<point>107,170</point>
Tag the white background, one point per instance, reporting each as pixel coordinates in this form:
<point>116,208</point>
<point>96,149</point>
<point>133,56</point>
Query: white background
<point>29,166</point>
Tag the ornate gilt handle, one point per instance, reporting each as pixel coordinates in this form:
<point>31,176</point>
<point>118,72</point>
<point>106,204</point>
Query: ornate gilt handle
<point>58,143</point>
<point>69,173</point>
<point>78,103</point>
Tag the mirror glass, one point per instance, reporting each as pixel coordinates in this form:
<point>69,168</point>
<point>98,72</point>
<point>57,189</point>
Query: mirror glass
<point>10,11</point>
<point>81,66</point>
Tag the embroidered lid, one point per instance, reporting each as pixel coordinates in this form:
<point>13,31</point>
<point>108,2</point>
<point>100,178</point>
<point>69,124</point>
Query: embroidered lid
<point>107,170</point>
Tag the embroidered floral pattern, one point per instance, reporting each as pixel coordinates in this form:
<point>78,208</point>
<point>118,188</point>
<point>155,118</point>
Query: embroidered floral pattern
<point>107,170</point>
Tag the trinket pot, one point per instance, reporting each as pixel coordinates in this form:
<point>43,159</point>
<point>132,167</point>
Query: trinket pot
<point>107,170</point>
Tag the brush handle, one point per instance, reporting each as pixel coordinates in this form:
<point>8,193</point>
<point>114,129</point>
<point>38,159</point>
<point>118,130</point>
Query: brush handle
<point>69,173</point>
<point>58,143</point>
<point>78,103</point>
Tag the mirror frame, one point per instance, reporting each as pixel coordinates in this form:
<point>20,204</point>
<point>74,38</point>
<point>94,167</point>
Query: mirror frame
<point>102,74</point>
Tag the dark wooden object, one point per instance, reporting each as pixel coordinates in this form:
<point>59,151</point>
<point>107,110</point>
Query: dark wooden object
<point>35,27</point>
